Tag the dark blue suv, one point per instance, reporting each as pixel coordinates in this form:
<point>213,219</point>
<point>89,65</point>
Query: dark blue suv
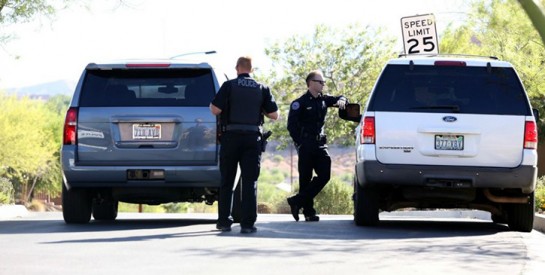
<point>139,132</point>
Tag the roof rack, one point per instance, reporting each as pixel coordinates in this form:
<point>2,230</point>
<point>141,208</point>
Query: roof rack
<point>449,54</point>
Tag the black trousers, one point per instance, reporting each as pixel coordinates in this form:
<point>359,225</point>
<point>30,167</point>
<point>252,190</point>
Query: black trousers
<point>242,148</point>
<point>313,157</point>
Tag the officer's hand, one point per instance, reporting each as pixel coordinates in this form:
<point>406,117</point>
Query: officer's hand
<point>341,103</point>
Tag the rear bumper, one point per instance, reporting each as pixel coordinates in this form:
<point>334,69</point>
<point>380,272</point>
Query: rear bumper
<point>116,176</point>
<point>373,173</point>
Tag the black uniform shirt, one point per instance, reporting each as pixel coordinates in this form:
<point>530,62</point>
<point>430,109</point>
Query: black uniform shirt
<point>243,108</point>
<point>307,116</point>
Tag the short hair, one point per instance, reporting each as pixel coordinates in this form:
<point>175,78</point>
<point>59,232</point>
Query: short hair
<point>245,62</point>
<point>312,74</point>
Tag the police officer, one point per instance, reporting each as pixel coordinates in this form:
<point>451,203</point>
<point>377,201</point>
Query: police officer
<point>242,103</point>
<point>306,127</point>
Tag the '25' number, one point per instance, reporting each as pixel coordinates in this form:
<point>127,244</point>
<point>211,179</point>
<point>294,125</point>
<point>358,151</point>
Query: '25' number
<point>427,41</point>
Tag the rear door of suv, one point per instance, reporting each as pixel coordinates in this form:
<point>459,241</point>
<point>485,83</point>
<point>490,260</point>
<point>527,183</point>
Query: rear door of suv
<point>450,113</point>
<point>147,114</point>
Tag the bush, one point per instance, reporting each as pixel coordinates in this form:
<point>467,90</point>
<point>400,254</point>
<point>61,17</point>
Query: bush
<point>6,191</point>
<point>335,198</point>
<point>133,207</point>
<point>540,194</point>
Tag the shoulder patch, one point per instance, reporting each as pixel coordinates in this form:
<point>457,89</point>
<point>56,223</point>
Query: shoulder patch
<point>295,105</point>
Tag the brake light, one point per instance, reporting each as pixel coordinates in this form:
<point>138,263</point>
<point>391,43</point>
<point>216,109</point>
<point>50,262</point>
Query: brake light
<point>147,65</point>
<point>367,131</point>
<point>530,135</point>
<point>70,125</point>
<point>450,63</point>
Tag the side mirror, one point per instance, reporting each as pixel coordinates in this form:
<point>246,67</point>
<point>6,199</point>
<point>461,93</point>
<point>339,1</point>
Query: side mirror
<point>536,114</point>
<point>351,112</point>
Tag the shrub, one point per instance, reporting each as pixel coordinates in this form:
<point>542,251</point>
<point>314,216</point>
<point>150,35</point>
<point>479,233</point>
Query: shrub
<point>335,198</point>
<point>133,207</point>
<point>540,194</point>
<point>6,191</point>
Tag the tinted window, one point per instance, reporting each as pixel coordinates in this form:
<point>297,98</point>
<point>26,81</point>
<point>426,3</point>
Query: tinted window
<point>141,87</point>
<point>473,90</point>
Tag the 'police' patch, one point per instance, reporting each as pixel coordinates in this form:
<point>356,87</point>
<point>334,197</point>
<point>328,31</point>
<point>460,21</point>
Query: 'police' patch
<point>295,105</point>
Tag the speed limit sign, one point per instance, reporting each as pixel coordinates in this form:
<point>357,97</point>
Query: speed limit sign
<point>419,34</point>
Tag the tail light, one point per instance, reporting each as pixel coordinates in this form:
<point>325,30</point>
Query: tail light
<point>368,131</point>
<point>530,135</point>
<point>450,63</point>
<point>70,127</point>
<point>147,65</point>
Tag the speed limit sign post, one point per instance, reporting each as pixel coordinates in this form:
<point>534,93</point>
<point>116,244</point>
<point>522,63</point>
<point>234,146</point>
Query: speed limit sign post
<point>419,34</point>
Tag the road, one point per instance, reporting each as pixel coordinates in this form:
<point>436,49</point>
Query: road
<point>41,243</point>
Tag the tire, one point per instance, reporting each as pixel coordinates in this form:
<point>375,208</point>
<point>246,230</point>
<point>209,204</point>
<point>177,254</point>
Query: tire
<point>105,211</point>
<point>366,208</point>
<point>521,216</point>
<point>76,205</point>
<point>236,210</point>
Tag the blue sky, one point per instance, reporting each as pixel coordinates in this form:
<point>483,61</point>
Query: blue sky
<point>59,49</point>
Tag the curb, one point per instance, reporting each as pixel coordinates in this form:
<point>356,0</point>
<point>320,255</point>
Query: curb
<point>12,211</point>
<point>539,223</point>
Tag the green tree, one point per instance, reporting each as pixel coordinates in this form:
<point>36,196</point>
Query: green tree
<point>502,29</point>
<point>32,133</point>
<point>21,11</point>
<point>536,13</point>
<point>350,58</point>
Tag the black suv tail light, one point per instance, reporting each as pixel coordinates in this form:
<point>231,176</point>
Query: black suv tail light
<point>70,127</point>
<point>530,135</point>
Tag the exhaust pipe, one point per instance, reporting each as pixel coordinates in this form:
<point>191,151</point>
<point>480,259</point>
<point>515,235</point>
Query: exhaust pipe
<point>503,199</point>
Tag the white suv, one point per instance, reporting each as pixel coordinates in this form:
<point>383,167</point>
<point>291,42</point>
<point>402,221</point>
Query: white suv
<point>447,132</point>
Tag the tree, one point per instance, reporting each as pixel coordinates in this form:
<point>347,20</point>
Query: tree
<point>350,58</point>
<point>21,11</point>
<point>536,13</point>
<point>501,28</point>
<point>33,135</point>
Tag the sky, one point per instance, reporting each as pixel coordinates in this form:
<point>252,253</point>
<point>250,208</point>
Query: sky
<point>50,50</point>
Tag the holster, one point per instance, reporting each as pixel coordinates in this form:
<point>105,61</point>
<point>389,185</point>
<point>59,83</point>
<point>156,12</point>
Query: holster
<point>264,141</point>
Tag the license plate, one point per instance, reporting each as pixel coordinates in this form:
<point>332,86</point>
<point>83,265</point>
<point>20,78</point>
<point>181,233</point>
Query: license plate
<point>449,142</point>
<point>146,131</point>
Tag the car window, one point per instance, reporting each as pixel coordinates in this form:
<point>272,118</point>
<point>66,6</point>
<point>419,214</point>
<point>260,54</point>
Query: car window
<point>141,87</point>
<point>472,90</point>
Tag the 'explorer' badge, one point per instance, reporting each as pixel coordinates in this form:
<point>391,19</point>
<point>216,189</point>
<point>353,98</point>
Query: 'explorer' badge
<point>449,119</point>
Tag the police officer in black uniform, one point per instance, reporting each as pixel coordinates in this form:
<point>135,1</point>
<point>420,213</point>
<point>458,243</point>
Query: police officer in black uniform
<point>306,127</point>
<point>242,103</point>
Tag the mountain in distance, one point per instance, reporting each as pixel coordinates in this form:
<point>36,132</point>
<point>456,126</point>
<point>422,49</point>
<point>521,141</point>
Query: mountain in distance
<point>44,90</point>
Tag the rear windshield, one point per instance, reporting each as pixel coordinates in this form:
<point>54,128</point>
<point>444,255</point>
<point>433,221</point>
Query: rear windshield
<point>471,90</point>
<point>147,87</point>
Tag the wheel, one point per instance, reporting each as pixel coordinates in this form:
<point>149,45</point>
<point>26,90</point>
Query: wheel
<point>76,205</point>
<point>105,210</point>
<point>521,216</point>
<point>366,208</point>
<point>236,210</point>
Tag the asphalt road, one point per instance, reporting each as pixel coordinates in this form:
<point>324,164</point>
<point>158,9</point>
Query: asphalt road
<point>41,243</point>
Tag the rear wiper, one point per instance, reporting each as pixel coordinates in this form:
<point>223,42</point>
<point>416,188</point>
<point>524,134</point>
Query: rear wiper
<point>453,108</point>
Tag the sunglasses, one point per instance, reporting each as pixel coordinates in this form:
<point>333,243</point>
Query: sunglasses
<point>319,81</point>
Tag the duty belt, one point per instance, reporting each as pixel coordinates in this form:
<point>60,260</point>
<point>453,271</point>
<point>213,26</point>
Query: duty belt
<point>318,137</point>
<point>242,127</point>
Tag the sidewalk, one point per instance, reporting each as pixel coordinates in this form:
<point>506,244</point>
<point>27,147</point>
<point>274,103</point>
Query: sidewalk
<point>12,211</point>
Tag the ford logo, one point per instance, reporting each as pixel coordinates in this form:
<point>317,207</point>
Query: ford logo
<point>449,119</point>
